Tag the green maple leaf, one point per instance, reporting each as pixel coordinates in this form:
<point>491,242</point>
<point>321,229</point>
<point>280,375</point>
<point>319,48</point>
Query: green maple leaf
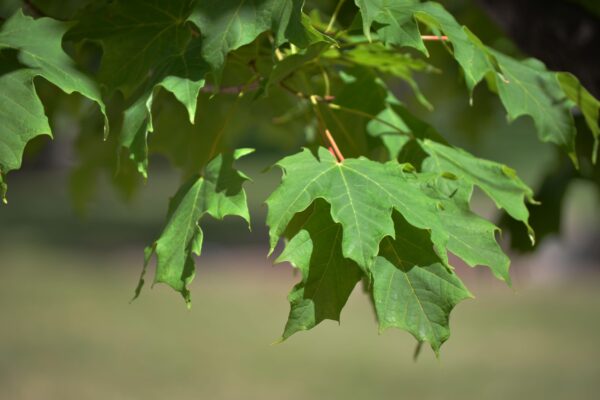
<point>412,289</point>
<point>161,48</point>
<point>362,195</point>
<point>327,277</point>
<point>530,89</point>
<point>227,25</point>
<point>217,193</point>
<point>38,45</point>
<point>398,25</point>
<point>498,181</point>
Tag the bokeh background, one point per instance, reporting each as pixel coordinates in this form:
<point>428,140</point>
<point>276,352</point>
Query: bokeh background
<point>68,266</point>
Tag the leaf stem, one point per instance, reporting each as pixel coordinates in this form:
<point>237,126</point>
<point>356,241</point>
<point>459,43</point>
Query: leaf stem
<point>338,7</point>
<point>349,110</point>
<point>336,151</point>
<point>434,38</point>
<point>232,111</point>
<point>329,100</point>
<point>425,38</point>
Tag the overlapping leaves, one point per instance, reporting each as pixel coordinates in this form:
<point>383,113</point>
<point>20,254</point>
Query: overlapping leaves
<point>524,87</point>
<point>37,47</point>
<point>174,45</point>
<point>396,226</point>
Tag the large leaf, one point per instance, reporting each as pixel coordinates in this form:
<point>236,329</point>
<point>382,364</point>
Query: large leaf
<point>328,277</point>
<point>412,289</point>
<point>217,193</point>
<point>362,195</point>
<point>38,44</point>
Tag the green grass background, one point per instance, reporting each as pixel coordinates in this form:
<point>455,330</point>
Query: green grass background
<point>68,332</point>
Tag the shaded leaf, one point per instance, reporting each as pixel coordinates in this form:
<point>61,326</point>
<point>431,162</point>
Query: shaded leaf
<point>157,48</point>
<point>530,89</point>
<point>38,46</point>
<point>588,104</point>
<point>327,277</point>
<point>412,289</point>
<point>227,25</point>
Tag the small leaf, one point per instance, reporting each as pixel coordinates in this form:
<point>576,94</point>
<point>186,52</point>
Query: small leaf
<point>588,104</point>
<point>528,88</point>
<point>499,182</point>
<point>218,193</point>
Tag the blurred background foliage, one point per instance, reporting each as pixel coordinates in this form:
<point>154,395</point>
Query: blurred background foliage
<point>79,215</point>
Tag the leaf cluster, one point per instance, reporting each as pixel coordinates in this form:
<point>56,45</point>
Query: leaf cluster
<point>376,195</point>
